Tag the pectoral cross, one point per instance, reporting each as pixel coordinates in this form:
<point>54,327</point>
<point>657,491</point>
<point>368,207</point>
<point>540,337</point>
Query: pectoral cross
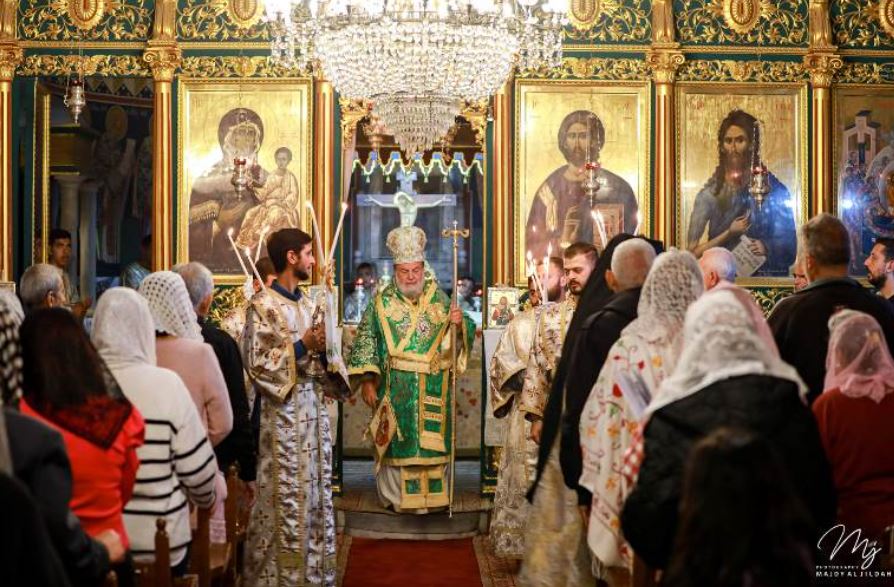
<point>455,233</point>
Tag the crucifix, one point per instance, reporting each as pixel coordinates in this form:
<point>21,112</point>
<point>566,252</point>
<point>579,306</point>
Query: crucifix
<point>455,233</point>
<point>406,200</point>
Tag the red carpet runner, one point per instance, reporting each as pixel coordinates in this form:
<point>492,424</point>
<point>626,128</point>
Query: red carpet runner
<point>422,563</point>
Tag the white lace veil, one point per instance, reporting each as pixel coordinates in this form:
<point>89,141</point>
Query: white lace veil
<point>123,331</point>
<point>13,304</point>
<point>720,342</point>
<point>10,377</point>
<point>858,362</point>
<point>170,305</point>
<point>673,284</point>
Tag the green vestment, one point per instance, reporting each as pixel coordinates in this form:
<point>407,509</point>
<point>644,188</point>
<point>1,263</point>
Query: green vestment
<point>407,346</point>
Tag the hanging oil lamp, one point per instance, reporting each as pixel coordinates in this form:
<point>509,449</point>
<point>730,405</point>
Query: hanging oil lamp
<point>590,169</point>
<point>75,97</point>
<point>760,177</point>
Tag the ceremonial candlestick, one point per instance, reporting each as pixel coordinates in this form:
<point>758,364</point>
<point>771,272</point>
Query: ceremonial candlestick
<point>261,243</point>
<point>344,210</point>
<point>236,250</point>
<point>318,239</point>
<point>532,271</point>
<point>600,226</point>
<point>455,233</point>
<point>254,268</point>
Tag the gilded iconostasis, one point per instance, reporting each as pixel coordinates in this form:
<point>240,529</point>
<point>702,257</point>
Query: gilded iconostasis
<point>663,101</point>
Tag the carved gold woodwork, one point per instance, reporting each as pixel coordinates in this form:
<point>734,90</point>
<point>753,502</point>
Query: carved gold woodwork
<point>503,257</point>
<point>741,15</point>
<point>664,64</point>
<point>8,10</point>
<point>10,56</point>
<point>163,60</point>
<point>85,14</point>
<point>106,65</point>
<point>245,13</point>
<point>352,112</point>
<point>886,15</point>
<point>476,114</point>
<point>820,25</point>
<point>163,28</point>
<point>822,68</point>
<point>663,32</point>
<point>583,13</point>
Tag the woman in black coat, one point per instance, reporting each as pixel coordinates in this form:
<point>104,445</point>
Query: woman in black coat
<point>727,376</point>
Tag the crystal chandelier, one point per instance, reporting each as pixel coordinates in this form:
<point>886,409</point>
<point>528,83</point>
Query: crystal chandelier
<point>417,61</point>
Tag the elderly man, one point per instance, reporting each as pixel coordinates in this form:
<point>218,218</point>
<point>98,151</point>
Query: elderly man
<point>239,445</point>
<point>800,321</point>
<point>718,266</point>
<point>401,360</point>
<point>555,549</point>
<point>42,286</point>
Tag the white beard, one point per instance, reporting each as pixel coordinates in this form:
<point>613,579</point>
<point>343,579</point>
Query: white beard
<point>413,292</point>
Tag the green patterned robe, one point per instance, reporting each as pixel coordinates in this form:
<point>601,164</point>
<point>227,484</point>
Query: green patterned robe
<point>407,347</point>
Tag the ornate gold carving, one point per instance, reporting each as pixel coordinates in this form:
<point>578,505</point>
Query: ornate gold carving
<point>85,14</point>
<point>820,25</point>
<point>775,22</point>
<point>741,15</point>
<point>476,114</point>
<point>822,68</point>
<point>245,13</point>
<point>886,15</point>
<point>595,68</point>
<point>106,65</point>
<point>865,73</point>
<point>221,20</point>
<point>235,66</point>
<point>768,297</point>
<point>85,20</point>
<point>729,70</point>
<point>664,65</point>
<point>8,11</point>
<point>10,57</point>
<point>225,300</point>
<point>583,13</point>
<point>610,21</point>
<point>663,32</point>
<point>352,112</point>
<point>163,29</point>
<point>163,59</point>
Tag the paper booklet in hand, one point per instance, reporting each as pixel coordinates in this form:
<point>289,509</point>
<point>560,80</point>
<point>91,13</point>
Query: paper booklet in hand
<point>747,262</point>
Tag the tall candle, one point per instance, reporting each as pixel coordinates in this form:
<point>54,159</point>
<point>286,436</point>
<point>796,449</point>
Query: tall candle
<point>344,209</point>
<point>261,243</point>
<point>318,237</point>
<point>236,250</point>
<point>600,227</point>
<point>639,221</point>
<point>254,268</point>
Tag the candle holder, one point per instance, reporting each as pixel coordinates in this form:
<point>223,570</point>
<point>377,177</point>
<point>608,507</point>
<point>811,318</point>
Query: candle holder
<point>240,179</point>
<point>75,98</point>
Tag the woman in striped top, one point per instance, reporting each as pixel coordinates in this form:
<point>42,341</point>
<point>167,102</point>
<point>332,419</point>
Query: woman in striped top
<point>177,463</point>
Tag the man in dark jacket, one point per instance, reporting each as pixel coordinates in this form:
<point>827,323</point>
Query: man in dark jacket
<point>239,445</point>
<point>800,322</point>
<point>41,464</point>
<point>630,265</point>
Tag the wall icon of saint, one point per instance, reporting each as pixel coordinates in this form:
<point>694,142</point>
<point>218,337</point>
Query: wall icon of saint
<point>561,212</point>
<point>761,236</point>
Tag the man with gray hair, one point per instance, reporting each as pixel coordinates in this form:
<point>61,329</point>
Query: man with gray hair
<point>240,445</point>
<point>41,286</point>
<point>800,321</point>
<point>630,265</point>
<point>718,265</point>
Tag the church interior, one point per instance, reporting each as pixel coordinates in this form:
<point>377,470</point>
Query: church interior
<point>500,293</point>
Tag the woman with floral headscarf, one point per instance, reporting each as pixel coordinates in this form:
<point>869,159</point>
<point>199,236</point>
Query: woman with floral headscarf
<point>726,376</point>
<point>854,415</point>
<point>179,347</point>
<point>637,363</point>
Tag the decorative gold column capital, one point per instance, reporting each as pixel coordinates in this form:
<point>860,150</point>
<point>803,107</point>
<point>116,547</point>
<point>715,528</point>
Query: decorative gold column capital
<point>163,59</point>
<point>664,64</point>
<point>822,68</point>
<point>477,113</point>
<point>352,111</point>
<point>10,57</point>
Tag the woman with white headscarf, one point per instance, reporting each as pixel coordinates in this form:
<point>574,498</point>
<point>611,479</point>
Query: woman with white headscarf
<point>854,415</point>
<point>636,365</point>
<point>123,333</point>
<point>726,376</point>
<point>179,347</point>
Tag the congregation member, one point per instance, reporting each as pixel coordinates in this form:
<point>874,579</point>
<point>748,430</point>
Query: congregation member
<point>631,262</point>
<point>741,521</point>
<point>800,321</point>
<point>291,532</point>
<point>880,267</point>
<point>518,460</point>
<point>555,546</point>
<point>40,463</point>
<point>41,286</point>
<point>726,376</point>
<point>854,415</point>
<point>177,464</point>
<point>239,445</point>
<point>180,348</point>
<point>13,305</point>
<point>233,322</point>
<point>644,354</point>
<point>718,265</point>
<point>59,256</point>
<point>67,387</point>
